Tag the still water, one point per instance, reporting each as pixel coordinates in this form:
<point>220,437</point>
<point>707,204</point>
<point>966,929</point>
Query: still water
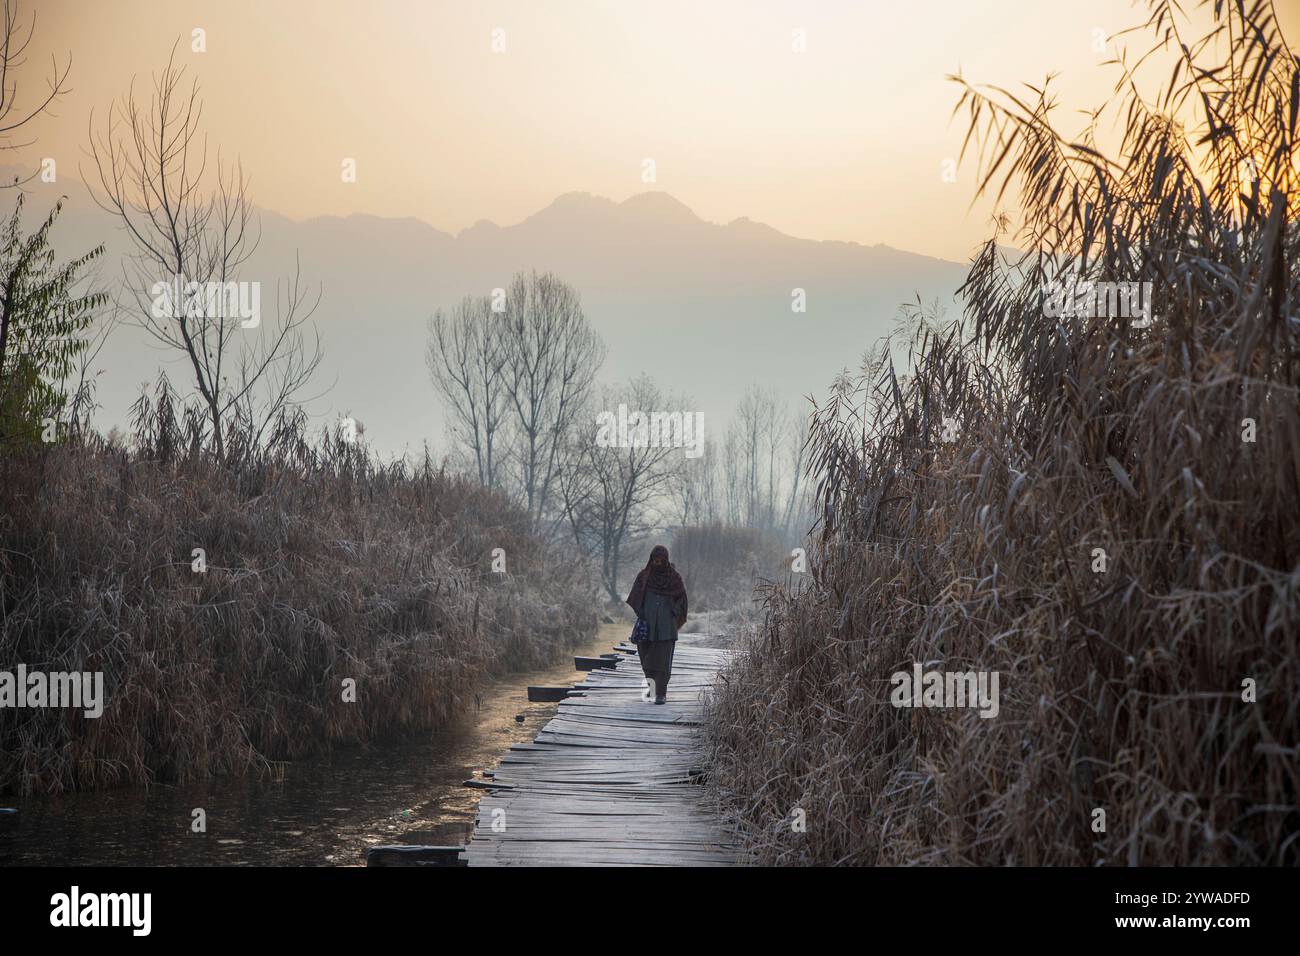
<point>323,812</point>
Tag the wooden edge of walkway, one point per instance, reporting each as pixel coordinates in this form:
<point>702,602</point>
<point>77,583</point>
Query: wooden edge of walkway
<point>613,779</point>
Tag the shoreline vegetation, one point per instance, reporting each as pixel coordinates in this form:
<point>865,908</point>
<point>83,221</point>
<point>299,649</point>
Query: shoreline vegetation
<point>322,567</point>
<point>1103,511</point>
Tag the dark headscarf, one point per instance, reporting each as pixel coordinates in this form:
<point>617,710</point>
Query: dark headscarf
<point>659,580</point>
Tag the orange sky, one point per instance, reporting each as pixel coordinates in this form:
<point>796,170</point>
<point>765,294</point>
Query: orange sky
<point>843,141</point>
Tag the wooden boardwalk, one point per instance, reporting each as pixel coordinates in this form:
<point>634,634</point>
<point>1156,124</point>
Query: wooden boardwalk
<point>612,780</point>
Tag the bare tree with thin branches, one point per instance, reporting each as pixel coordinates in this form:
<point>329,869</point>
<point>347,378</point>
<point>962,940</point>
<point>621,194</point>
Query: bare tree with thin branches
<point>552,357</point>
<point>14,41</point>
<point>466,357</point>
<point>613,493</point>
<point>694,488</point>
<point>197,231</point>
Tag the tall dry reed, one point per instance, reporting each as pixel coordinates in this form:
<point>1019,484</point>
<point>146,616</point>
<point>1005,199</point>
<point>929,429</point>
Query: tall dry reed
<point>1099,529</point>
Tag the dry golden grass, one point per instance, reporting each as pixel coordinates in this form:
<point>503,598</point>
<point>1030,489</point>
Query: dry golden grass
<point>322,566</point>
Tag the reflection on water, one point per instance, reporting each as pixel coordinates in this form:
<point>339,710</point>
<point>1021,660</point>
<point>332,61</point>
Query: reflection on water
<point>324,812</point>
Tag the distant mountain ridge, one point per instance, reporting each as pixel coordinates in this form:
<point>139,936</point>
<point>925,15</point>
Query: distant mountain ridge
<point>705,308</point>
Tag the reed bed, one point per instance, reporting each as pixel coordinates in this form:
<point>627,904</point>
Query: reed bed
<point>965,506</point>
<point>322,565</point>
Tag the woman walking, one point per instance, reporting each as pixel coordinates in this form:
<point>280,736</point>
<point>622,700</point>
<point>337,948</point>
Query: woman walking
<point>659,599</point>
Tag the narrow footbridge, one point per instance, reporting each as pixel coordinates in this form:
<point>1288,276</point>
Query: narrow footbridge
<point>612,780</point>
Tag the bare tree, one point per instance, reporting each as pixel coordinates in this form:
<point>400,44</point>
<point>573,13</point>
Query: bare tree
<point>754,437</point>
<point>466,357</point>
<point>733,484</point>
<point>759,479</point>
<point>552,357</point>
<point>13,47</point>
<point>694,488</point>
<point>192,233</point>
<point>797,505</point>
<point>612,491</point>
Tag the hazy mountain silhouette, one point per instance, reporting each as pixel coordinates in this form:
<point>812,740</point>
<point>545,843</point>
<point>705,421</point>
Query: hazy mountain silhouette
<point>703,307</point>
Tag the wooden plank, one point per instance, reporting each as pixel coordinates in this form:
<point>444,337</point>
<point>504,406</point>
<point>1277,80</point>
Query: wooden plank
<point>547,695</point>
<point>415,856</point>
<point>613,779</point>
